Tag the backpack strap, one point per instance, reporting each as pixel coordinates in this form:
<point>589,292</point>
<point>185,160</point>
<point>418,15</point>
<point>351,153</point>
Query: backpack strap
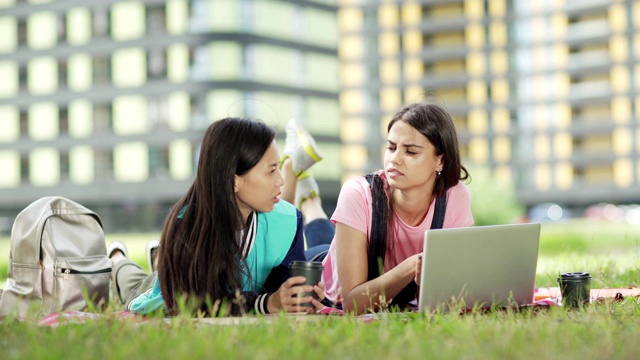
<point>440,209</point>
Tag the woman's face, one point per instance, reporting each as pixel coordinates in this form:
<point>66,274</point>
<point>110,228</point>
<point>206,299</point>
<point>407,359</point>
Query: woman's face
<point>259,188</point>
<point>410,160</point>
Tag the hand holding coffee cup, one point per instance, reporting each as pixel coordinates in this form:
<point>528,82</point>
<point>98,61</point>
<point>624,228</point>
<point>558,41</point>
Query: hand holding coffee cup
<point>312,272</point>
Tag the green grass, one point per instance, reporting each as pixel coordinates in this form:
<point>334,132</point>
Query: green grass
<point>593,237</point>
<point>606,330</point>
<point>600,332</point>
<point>609,251</point>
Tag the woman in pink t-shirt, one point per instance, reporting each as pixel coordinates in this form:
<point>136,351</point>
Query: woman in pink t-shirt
<point>421,163</point>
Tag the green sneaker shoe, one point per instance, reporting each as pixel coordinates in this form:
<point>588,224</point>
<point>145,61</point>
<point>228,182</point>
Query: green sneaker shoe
<point>307,188</point>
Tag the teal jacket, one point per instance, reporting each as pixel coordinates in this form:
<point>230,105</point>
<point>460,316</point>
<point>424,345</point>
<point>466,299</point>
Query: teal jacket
<point>278,241</point>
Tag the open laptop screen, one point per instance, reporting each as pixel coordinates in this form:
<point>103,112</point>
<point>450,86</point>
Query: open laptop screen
<point>481,266</point>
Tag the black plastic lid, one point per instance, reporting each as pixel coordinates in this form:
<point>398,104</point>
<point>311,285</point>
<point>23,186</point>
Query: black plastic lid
<point>575,276</point>
<point>306,264</point>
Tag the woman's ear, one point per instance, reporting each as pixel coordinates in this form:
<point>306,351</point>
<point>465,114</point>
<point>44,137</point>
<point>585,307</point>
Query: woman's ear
<point>440,162</point>
<point>237,183</point>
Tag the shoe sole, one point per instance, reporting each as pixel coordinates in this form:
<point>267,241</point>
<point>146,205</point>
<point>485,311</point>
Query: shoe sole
<point>309,146</point>
<point>151,249</point>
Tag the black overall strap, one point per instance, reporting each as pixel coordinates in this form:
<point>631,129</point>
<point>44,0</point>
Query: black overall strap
<point>369,178</point>
<point>440,209</point>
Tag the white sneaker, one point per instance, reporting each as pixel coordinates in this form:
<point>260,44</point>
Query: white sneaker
<point>300,147</point>
<point>152,246</point>
<point>117,246</point>
<point>306,188</point>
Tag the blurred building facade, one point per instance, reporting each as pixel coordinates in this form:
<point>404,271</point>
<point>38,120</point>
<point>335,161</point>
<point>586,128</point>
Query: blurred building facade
<point>105,102</point>
<point>543,92</point>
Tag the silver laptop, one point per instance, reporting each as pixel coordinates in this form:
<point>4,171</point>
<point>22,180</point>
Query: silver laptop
<point>479,267</point>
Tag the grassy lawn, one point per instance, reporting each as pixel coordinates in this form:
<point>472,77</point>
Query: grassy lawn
<point>609,251</point>
<point>600,332</point>
<point>605,330</point>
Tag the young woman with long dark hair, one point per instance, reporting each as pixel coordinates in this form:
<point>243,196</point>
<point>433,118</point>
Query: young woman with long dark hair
<point>380,220</point>
<point>229,240</point>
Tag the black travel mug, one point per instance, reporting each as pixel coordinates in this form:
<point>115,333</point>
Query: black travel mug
<point>575,288</point>
<point>311,270</point>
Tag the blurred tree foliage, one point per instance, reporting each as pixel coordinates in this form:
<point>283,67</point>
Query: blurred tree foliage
<point>493,202</point>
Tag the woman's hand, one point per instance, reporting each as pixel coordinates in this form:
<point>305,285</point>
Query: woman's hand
<point>418,270</point>
<point>319,290</point>
<point>287,299</point>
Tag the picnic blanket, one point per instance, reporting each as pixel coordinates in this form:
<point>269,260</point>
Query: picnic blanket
<point>81,317</point>
<point>554,294</point>
<point>543,297</point>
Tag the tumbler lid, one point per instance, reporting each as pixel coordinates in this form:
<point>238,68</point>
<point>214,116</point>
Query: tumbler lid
<point>306,265</point>
<point>575,276</point>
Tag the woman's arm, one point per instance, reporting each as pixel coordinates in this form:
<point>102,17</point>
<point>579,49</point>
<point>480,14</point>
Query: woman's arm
<point>281,289</point>
<point>281,273</point>
<point>358,294</point>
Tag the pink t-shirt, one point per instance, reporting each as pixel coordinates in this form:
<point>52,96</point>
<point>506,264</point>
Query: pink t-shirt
<point>354,210</point>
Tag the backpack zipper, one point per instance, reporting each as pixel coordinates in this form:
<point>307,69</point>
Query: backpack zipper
<point>66,272</point>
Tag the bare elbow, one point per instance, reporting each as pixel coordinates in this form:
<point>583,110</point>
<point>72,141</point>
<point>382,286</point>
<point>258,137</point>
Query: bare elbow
<point>349,305</point>
<point>356,305</point>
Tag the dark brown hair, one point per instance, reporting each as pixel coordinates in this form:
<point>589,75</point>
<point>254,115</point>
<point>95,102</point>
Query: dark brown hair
<point>198,257</point>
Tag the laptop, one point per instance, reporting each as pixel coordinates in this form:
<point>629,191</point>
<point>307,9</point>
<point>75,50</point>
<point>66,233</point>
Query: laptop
<point>479,267</point>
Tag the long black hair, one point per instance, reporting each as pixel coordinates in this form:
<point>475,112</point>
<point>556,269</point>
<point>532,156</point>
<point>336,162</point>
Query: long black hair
<point>198,257</point>
<point>434,122</point>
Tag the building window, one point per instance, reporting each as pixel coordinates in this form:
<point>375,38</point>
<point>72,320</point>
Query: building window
<point>24,124</point>
<point>44,166</point>
<point>62,28</point>
<point>24,166</point>
<point>157,67</point>
<point>177,62</point>
<point>22,77</point>
<point>127,20</point>
<point>157,111</point>
<point>129,113</point>
<point>131,162</point>
<point>64,165</point>
<point>78,27</point>
<point>104,164</point>
<point>63,121</point>
<point>81,164</point>
<point>198,108</point>
<point>159,162</point>
<point>22,32</point>
<point>180,159</point>
<point>101,70</point>
<point>129,67</point>
<point>101,21</point>
<point>156,19</point>
<point>62,73</point>
<point>102,118</point>
<point>44,121</point>
<point>80,118</point>
<point>42,75</point>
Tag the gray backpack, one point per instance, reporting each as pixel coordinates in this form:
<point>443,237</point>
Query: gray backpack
<point>58,260</point>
